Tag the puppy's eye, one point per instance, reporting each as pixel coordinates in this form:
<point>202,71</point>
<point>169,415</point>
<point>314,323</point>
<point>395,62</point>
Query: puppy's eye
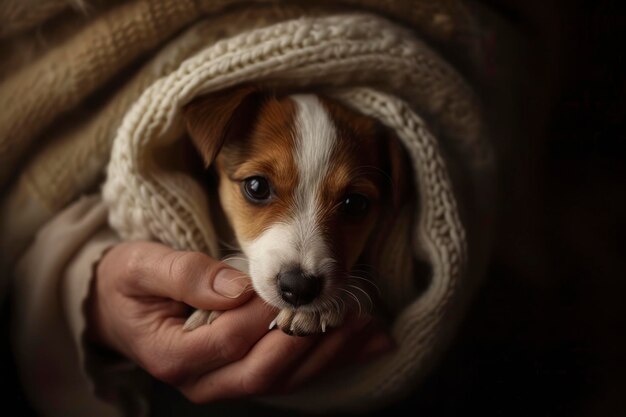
<point>355,205</point>
<point>256,189</point>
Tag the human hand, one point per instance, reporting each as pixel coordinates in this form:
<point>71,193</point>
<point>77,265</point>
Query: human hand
<point>139,304</point>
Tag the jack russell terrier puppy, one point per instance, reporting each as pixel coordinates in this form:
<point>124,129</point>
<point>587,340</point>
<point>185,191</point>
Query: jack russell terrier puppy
<point>306,186</point>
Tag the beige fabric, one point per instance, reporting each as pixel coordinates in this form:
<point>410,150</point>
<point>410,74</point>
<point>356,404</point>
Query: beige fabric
<point>149,200</point>
<point>53,279</point>
<point>55,76</point>
<point>71,71</point>
<point>65,98</point>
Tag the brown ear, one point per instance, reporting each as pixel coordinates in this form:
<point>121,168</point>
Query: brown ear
<point>399,170</point>
<point>214,118</point>
<point>389,249</point>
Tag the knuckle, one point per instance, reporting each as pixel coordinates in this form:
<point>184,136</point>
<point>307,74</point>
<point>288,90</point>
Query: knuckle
<point>178,267</point>
<point>194,396</point>
<point>231,347</point>
<point>255,381</point>
<point>134,263</point>
<point>167,370</point>
<point>124,267</point>
<point>166,363</point>
<point>183,264</point>
<point>200,395</point>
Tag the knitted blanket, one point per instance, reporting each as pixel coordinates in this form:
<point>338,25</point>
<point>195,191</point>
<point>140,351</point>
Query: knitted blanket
<point>117,80</point>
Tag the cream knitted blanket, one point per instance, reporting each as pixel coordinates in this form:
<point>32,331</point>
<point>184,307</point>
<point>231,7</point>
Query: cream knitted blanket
<point>377,65</point>
<point>148,201</point>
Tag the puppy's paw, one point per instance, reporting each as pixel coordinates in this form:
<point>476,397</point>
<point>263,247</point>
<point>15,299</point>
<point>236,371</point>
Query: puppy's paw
<point>297,323</point>
<point>200,318</point>
<point>303,323</point>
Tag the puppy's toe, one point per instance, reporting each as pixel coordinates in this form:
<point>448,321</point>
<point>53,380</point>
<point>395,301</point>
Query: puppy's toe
<point>297,323</point>
<point>199,318</point>
<point>302,323</point>
<point>214,314</point>
<point>305,324</point>
<point>330,319</point>
<point>284,319</point>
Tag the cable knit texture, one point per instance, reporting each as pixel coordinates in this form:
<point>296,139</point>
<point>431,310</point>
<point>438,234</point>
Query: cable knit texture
<point>148,201</point>
<point>108,85</point>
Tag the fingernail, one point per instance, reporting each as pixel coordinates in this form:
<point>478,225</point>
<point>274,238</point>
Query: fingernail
<point>230,283</point>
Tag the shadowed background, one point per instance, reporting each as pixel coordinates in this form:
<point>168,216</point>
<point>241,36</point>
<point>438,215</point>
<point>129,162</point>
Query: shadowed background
<point>545,335</point>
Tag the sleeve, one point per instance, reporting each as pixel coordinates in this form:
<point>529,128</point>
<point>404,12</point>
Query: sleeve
<point>62,374</point>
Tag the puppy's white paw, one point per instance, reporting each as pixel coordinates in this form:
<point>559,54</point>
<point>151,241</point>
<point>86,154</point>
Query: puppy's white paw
<point>200,318</point>
<point>302,323</point>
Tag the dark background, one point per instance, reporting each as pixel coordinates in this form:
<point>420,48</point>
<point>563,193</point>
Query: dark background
<point>546,334</point>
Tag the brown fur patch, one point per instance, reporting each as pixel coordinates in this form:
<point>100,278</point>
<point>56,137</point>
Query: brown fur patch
<point>261,142</point>
<point>358,166</point>
<point>268,152</point>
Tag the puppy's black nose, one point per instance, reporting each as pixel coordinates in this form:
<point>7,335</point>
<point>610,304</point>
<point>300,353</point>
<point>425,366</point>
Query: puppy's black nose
<point>298,288</point>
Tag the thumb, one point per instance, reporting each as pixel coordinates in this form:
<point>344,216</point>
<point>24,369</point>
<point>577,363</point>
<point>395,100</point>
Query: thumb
<point>190,277</point>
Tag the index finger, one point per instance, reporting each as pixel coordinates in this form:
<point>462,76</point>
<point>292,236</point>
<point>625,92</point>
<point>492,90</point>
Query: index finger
<point>256,373</point>
<point>153,269</point>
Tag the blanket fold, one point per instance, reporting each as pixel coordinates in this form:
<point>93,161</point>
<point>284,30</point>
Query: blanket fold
<point>90,108</point>
<point>149,201</point>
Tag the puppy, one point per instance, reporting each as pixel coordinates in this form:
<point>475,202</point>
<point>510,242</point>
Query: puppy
<point>305,184</point>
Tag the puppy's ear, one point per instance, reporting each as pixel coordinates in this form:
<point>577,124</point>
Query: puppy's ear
<point>399,170</point>
<point>215,118</point>
<point>389,250</point>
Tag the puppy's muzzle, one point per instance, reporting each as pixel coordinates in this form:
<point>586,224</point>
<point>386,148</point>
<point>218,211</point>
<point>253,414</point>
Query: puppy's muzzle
<point>298,288</point>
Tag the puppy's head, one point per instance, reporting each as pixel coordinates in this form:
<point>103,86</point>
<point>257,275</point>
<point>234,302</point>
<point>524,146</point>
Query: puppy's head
<point>303,181</point>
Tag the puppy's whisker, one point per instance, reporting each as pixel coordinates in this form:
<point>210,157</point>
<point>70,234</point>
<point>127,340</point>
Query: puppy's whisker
<point>368,281</point>
<point>330,304</point>
<point>363,275</point>
<point>366,275</point>
<point>326,154</point>
<point>235,258</point>
<point>242,278</point>
<point>238,279</point>
<point>364,269</point>
<point>351,294</point>
<point>336,300</point>
<point>369,299</point>
<point>360,278</point>
<point>228,245</point>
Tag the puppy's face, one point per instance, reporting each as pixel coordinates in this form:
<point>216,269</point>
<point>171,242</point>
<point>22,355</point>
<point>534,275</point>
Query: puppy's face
<point>302,181</point>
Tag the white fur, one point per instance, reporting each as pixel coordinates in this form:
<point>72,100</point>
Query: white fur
<point>298,242</point>
<point>316,137</point>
